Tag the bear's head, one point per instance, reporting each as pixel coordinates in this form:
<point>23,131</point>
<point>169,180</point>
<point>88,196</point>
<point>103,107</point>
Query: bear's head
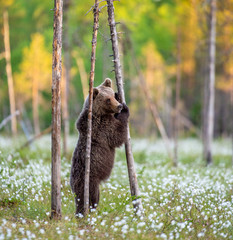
<point>104,101</point>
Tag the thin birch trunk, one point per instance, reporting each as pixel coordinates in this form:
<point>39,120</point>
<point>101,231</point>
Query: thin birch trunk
<point>67,76</point>
<point>89,123</point>
<point>177,104</point>
<point>210,88</point>
<point>9,71</point>
<point>56,111</point>
<point>135,193</point>
<point>30,141</point>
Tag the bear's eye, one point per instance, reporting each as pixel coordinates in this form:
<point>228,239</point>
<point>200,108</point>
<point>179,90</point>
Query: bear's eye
<point>108,101</point>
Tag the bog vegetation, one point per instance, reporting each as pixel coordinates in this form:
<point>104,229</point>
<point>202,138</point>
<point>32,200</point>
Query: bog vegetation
<point>160,42</point>
<point>188,202</point>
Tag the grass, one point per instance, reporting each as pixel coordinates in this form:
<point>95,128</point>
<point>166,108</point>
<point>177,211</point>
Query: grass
<point>187,202</point>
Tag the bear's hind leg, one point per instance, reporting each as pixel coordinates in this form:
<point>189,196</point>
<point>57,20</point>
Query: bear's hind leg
<point>94,194</point>
<point>79,205</point>
<point>79,199</point>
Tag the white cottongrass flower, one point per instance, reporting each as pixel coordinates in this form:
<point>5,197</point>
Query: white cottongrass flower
<point>141,224</point>
<point>178,208</point>
<point>163,236</point>
<point>13,225</point>
<point>201,234</point>
<point>42,231</point>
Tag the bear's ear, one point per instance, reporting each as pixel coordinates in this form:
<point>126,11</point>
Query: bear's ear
<point>95,92</point>
<point>107,82</point>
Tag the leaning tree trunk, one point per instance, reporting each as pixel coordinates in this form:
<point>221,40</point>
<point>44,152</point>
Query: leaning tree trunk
<point>56,111</point>
<point>9,71</point>
<point>135,193</point>
<point>89,123</point>
<point>210,88</point>
<point>67,76</point>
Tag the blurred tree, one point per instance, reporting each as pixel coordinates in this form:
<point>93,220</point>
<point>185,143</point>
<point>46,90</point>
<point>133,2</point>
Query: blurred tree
<point>9,71</point>
<point>224,78</point>
<point>66,74</point>
<point>209,91</point>
<point>154,72</point>
<point>34,76</point>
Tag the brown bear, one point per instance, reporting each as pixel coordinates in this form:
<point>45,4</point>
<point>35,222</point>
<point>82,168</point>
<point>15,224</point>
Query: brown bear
<point>109,130</point>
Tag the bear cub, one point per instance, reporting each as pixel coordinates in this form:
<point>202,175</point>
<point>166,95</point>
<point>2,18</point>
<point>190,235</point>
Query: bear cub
<point>109,130</point>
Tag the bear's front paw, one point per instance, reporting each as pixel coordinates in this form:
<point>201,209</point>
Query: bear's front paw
<point>117,96</point>
<point>125,109</point>
<point>124,114</point>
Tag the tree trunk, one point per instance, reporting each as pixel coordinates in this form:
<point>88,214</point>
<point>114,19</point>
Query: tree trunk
<point>56,111</point>
<point>210,88</point>
<point>177,103</point>
<point>89,123</point>
<point>9,71</point>
<point>67,76</point>
<point>135,193</point>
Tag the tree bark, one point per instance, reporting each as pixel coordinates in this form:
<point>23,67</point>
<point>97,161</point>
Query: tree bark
<point>67,76</point>
<point>56,111</point>
<point>135,193</point>
<point>9,71</point>
<point>89,123</point>
<point>210,88</point>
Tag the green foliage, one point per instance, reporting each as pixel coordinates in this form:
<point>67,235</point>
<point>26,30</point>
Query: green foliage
<point>151,25</point>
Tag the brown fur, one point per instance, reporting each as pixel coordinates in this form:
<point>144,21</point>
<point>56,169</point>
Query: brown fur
<point>109,130</point>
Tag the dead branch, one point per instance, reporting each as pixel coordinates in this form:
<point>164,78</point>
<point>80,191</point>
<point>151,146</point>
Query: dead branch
<point>93,7</point>
<point>135,192</point>
<point>29,142</point>
<point>7,119</point>
<point>89,123</point>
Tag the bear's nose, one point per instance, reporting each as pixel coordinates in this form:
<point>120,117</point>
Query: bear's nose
<point>119,107</point>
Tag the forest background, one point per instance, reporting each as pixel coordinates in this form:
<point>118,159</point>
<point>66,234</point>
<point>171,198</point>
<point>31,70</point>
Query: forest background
<point>160,40</point>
